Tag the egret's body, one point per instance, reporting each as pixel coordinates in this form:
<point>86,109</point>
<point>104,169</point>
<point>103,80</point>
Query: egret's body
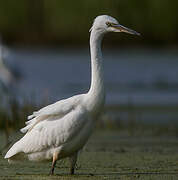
<point>61,130</point>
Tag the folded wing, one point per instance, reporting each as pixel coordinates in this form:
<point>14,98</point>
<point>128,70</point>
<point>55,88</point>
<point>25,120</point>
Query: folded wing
<point>52,112</point>
<point>52,133</point>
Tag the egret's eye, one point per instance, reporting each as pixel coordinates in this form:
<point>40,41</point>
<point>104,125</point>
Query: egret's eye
<point>108,24</point>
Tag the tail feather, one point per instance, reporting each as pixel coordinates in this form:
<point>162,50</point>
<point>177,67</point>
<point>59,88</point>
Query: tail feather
<point>13,151</point>
<point>15,155</point>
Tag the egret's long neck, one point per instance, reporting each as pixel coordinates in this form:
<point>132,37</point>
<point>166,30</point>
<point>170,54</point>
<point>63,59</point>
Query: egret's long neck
<point>96,92</point>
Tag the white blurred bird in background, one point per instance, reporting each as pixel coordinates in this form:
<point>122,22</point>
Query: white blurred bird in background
<point>9,73</point>
<point>9,77</point>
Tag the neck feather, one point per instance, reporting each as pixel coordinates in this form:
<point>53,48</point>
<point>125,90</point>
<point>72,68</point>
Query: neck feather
<point>96,92</point>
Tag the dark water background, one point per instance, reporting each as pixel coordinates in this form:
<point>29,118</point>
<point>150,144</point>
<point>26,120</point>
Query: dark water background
<point>144,77</point>
<point>141,84</point>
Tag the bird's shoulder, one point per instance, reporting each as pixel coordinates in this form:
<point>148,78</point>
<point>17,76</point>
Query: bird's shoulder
<point>53,111</point>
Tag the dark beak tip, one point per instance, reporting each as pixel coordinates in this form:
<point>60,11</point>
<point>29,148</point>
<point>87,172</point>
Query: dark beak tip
<point>138,34</point>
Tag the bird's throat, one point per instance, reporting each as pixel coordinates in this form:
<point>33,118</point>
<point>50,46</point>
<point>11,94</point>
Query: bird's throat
<point>96,92</point>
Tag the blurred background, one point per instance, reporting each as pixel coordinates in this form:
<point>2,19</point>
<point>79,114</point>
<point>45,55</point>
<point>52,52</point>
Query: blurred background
<point>45,57</point>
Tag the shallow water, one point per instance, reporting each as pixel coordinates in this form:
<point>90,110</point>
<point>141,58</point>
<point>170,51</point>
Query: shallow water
<point>108,155</point>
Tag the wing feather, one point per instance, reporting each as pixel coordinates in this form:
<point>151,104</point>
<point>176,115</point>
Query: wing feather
<point>51,134</point>
<point>52,112</point>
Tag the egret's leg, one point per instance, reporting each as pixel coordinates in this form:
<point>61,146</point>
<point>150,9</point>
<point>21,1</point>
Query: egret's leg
<point>55,158</point>
<point>73,160</point>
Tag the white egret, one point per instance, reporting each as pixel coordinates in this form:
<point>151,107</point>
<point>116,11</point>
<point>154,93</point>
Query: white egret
<point>9,74</point>
<point>61,129</point>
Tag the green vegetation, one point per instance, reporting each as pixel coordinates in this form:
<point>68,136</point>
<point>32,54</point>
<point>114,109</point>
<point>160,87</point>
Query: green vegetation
<point>109,155</point>
<point>61,21</point>
<point>127,148</point>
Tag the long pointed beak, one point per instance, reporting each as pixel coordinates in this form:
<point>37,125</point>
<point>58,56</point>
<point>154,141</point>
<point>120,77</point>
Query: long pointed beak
<point>125,29</point>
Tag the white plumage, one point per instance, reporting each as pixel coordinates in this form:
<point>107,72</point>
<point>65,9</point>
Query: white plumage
<point>61,130</point>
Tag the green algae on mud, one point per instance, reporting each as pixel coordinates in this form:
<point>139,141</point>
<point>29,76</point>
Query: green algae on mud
<point>109,155</point>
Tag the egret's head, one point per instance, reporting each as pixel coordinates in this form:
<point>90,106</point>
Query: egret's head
<point>105,23</point>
